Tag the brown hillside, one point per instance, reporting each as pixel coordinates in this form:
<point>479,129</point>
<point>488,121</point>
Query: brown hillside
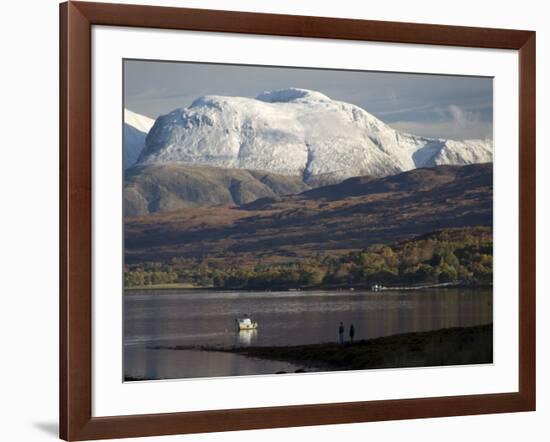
<point>328,220</point>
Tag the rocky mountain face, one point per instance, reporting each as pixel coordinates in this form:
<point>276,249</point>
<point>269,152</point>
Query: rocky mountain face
<point>299,133</point>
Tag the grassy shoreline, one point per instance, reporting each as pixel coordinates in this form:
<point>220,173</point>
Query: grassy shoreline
<point>449,346</point>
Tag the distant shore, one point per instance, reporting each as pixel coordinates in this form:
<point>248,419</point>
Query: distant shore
<point>191,287</point>
<point>450,346</point>
<point>170,286</point>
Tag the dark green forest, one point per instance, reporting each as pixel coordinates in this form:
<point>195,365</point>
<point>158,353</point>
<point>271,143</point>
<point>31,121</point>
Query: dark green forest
<point>449,255</point>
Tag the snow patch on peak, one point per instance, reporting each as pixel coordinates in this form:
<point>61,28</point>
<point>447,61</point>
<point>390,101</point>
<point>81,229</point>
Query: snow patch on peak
<point>136,128</point>
<point>213,101</point>
<point>291,94</point>
<point>137,121</point>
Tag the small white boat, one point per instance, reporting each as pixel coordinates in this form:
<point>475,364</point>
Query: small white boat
<point>246,323</point>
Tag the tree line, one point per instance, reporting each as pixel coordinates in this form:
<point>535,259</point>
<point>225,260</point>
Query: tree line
<point>464,254</point>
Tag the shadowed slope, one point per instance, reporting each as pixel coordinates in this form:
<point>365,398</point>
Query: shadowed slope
<point>333,219</point>
<point>167,187</point>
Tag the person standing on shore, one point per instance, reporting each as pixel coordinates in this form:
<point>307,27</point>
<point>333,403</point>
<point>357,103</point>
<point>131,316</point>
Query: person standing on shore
<point>351,333</point>
<point>341,333</point>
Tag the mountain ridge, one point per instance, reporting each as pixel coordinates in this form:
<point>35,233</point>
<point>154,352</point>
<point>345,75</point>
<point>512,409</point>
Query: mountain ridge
<point>167,187</point>
<point>297,132</point>
<point>136,128</point>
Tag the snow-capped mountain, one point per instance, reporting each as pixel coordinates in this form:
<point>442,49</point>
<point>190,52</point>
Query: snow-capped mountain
<point>136,128</point>
<point>297,132</point>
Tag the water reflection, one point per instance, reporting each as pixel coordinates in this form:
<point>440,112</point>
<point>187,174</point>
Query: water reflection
<point>207,318</point>
<point>247,338</point>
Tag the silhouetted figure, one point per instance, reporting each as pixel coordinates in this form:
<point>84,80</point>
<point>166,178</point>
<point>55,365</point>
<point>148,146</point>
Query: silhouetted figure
<point>341,332</point>
<point>351,333</point>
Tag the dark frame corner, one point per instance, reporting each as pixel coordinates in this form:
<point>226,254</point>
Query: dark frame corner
<point>76,421</point>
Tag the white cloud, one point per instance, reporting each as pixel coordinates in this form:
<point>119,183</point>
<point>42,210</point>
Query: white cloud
<point>459,118</point>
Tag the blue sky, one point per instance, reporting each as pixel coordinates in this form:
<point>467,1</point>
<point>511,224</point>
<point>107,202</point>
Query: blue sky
<point>456,107</point>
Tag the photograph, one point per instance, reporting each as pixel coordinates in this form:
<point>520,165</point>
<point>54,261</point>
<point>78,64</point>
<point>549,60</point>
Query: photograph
<point>282,220</point>
<point>275,221</point>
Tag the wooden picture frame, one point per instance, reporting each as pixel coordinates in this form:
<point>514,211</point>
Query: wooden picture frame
<point>76,21</point>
